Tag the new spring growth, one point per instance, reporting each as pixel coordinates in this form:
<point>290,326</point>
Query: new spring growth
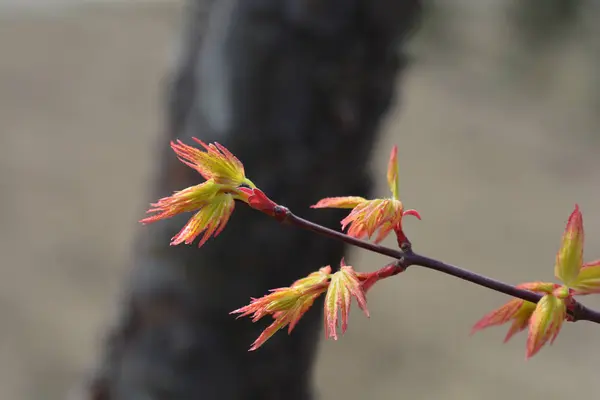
<point>213,202</point>
<point>545,319</point>
<point>287,305</point>
<point>369,216</point>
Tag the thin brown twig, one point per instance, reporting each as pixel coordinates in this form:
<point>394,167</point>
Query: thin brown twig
<point>406,258</point>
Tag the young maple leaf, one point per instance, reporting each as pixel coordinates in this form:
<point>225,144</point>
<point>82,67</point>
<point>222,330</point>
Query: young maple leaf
<point>212,201</point>
<point>211,219</point>
<point>545,323</point>
<point>521,312</point>
<point>215,163</point>
<point>570,255</point>
<point>213,209</point>
<point>582,278</point>
<point>287,305</point>
<point>588,279</point>
<point>516,309</point>
<point>187,200</point>
<point>545,319</point>
<point>369,216</point>
<point>344,285</point>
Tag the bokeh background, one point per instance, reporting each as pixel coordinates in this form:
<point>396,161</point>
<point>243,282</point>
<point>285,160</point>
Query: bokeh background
<point>498,132</point>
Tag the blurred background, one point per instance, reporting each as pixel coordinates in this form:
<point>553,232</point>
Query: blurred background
<point>498,136</point>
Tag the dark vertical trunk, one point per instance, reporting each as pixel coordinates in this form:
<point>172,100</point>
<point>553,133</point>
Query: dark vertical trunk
<point>296,89</point>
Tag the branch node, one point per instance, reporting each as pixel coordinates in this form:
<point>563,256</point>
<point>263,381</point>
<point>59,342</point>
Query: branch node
<point>281,213</point>
<point>406,246</point>
<point>401,264</point>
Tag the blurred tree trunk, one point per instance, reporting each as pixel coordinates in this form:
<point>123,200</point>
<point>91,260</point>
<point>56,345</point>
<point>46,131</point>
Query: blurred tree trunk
<point>296,89</point>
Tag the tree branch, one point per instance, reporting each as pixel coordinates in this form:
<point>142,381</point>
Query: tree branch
<point>406,258</point>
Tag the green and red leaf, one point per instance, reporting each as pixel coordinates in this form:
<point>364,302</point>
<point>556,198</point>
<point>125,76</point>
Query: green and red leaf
<point>381,215</point>
<point>516,310</point>
<point>210,220</point>
<point>339,202</point>
<point>376,215</point>
<point>212,201</point>
<point>569,259</point>
<point>520,319</point>
<point>392,173</point>
<point>501,315</point>
<point>211,205</point>
<point>216,162</point>
<point>545,323</point>
<point>588,280</point>
<point>187,200</point>
<point>287,305</point>
<point>344,285</point>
